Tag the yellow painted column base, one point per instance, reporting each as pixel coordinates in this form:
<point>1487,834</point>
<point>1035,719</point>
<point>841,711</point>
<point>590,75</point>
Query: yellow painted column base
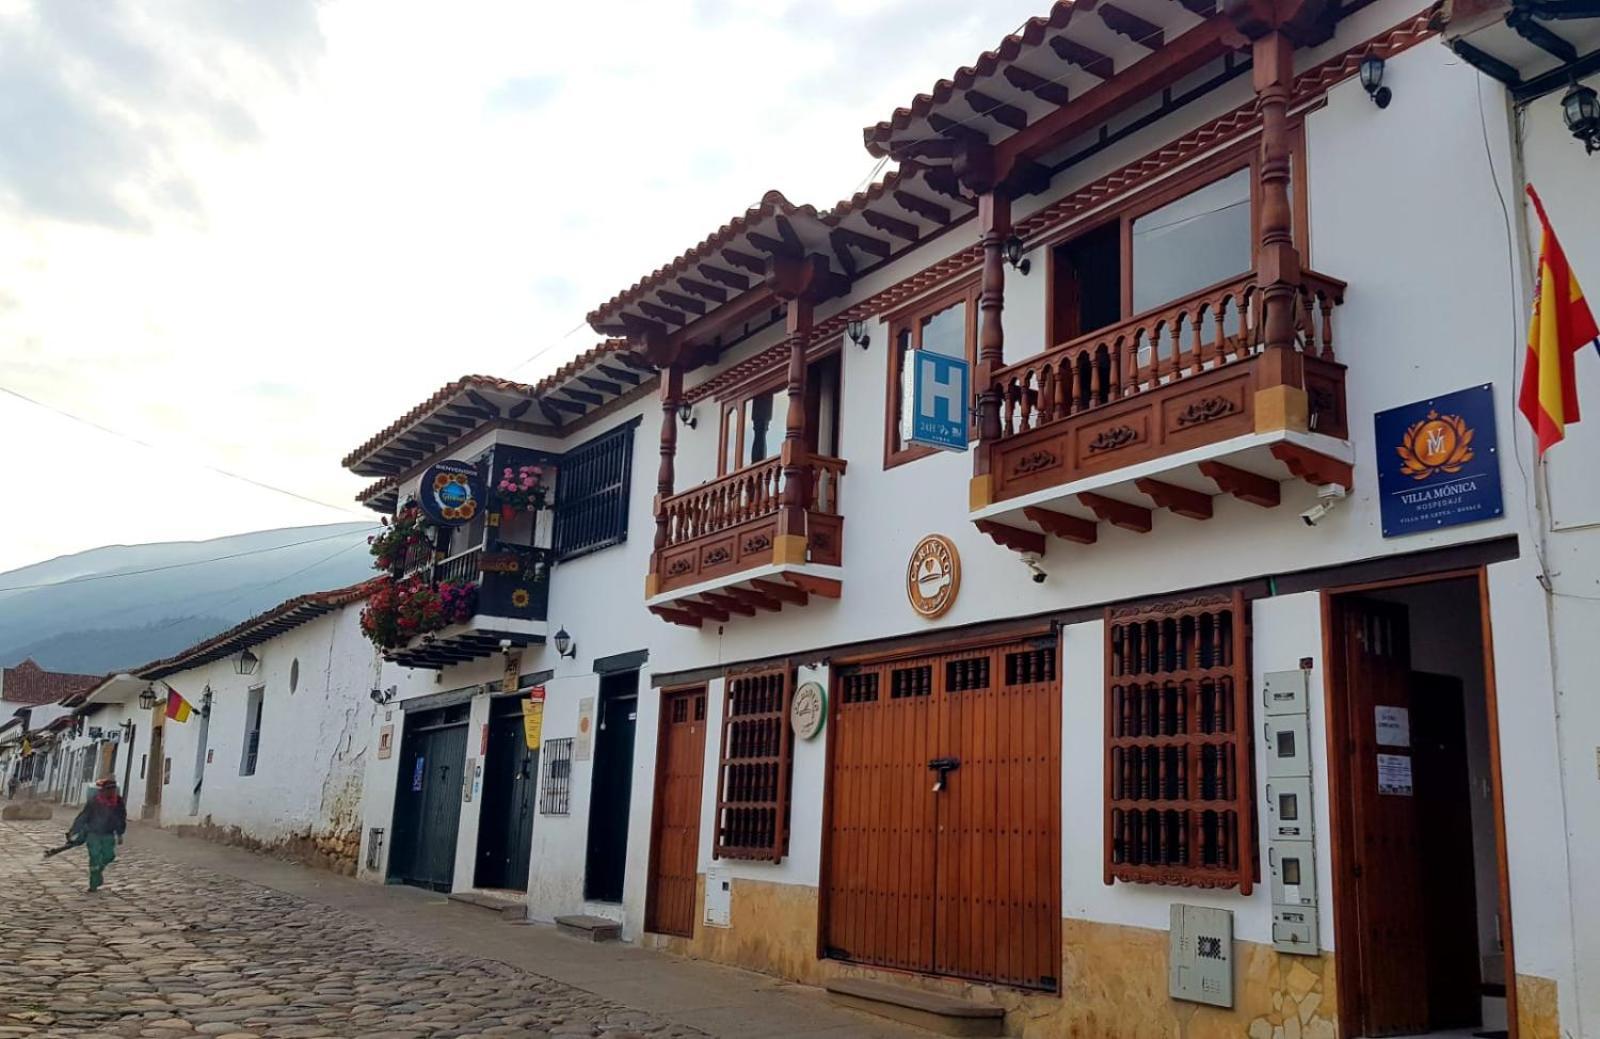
<point>980,492</point>
<point>1282,407</point>
<point>652,585</point>
<point>789,548</point>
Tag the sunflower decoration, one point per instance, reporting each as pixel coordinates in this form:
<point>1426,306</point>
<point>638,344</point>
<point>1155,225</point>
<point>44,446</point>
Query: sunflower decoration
<point>1439,443</point>
<point>453,492</point>
<point>520,598</point>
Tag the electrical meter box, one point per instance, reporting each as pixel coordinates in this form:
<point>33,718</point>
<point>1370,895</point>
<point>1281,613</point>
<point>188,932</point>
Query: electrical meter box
<point>1288,747</point>
<point>1200,961</point>
<point>1294,874</point>
<point>1289,810</point>
<point>719,897</point>
<point>1294,930</point>
<point>1286,692</point>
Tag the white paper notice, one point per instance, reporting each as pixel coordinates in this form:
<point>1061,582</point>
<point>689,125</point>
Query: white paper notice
<point>1394,727</point>
<point>1394,774</point>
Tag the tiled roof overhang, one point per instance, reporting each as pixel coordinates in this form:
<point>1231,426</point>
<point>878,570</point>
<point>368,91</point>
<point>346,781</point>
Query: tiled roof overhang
<point>1534,47</point>
<point>283,617</point>
<point>725,273</point>
<point>599,376</point>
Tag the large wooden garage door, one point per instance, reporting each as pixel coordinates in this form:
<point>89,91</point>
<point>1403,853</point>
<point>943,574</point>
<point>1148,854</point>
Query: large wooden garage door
<point>963,880</point>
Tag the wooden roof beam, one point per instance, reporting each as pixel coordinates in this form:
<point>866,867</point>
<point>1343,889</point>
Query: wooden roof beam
<point>604,386</point>
<point>781,592</point>
<point>1084,57</point>
<point>1035,84</point>
<point>681,302</point>
<point>1181,500</point>
<point>1059,524</point>
<point>865,242</point>
<point>722,276</point>
<point>751,597</point>
<point>925,208</point>
<point>661,313</point>
<point>484,402</point>
<point>891,225</point>
<point>728,605</point>
<point>1002,112</point>
<point>1117,513</point>
<point>703,290</point>
<point>565,405</point>
<point>682,617</point>
<point>1014,538</point>
<point>750,262</point>
<point>1246,486</point>
<point>841,251</point>
<point>1121,20</point>
<point>591,399</point>
<point>947,127</point>
<point>620,374</point>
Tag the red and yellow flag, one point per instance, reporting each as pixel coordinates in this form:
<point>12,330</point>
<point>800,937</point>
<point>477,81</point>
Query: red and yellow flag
<point>1561,326</point>
<point>178,708</point>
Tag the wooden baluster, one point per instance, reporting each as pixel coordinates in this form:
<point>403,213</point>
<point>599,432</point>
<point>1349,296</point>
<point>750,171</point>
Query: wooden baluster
<point>1325,307</point>
<point>1096,390</point>
<point>1115,357</point>
<point>1196,352</point>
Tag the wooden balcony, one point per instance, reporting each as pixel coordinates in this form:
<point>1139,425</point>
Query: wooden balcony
<point>1160,411</point>
<point>723,555</point>
<point>513,597</point>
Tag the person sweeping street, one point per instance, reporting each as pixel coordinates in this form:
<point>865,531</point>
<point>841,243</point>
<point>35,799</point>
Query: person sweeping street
<point>100,825</point>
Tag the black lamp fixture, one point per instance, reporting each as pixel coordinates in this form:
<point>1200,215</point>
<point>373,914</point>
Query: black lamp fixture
<point>205,702</point>
<point>686,415</point>
<point>246,662</point>
<point>1372,81</point>
<point>1580,107</point>
<point>382,697</point>
<point>856,329</point>
<point>147,699</point>
<point>564,645</point>
<point>1013,248</point>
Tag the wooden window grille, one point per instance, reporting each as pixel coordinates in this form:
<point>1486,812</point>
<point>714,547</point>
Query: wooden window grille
<point>860,687</point>
<point>1032,665</point>
<point>753,777</point>
<point>555,786</point>
<point>592,493</point>
<point>1180,804</point>
<point>911,681</point>
<point>967,674</point>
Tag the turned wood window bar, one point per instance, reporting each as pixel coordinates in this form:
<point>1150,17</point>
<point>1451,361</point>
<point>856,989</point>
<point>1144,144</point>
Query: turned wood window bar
<point>1180,804</point>
<point>1201,332</point>
<point>752,493</point>
<point>752,819</point>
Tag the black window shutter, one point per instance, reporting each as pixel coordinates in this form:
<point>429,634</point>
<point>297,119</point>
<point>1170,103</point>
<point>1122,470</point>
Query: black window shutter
<point>592,483</point>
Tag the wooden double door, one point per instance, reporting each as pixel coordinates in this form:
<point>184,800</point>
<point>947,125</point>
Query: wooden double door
<point>943,847</point>
<point>675,833</point>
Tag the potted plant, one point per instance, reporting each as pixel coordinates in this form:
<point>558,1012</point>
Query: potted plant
<point>521,488</point>
<point>391,548</point>
<point>398,611</point>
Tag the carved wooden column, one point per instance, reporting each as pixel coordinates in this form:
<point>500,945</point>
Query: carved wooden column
<point>671,397</point>
<point>994,221</point>
<point>790,544</point>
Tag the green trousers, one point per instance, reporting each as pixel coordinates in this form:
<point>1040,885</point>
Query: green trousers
<point>102,853</point>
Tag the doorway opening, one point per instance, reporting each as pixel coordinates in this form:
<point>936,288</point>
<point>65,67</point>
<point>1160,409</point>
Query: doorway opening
<point>675,830</point>
<point>611,787</point>
<point>427,798</point>
<point>510,773</point>
<point>1421,911</point>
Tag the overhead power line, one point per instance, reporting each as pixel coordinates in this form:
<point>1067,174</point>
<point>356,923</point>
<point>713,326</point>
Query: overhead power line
<point>154,447</point>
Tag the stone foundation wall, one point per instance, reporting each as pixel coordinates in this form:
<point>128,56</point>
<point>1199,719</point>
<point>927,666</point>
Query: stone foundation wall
<point>335,852</point>
<point>1114,978</point>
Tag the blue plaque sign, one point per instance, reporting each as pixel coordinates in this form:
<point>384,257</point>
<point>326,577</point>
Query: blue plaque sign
<point>939,400</point>
<point>450,493</point>
<point>1437,462</point>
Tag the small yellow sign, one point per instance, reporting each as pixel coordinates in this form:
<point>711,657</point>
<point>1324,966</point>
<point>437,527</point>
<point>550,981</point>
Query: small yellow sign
<point>533,717</point>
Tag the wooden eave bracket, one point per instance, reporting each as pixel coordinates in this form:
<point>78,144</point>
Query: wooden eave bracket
<point>1117,513</point>
<point>1180,500</point>
<point>1246,486</point>
<point>1014,538</point>
<point>1067,528</point>
<point>1313,467</point>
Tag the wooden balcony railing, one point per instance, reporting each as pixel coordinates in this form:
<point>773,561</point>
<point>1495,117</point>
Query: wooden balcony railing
<point>730,523</point>
<point>1158,382</point>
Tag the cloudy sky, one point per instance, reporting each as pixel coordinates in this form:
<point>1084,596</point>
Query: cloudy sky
<point>250,234</point>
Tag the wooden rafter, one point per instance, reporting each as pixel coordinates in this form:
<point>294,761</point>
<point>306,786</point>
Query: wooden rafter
<point>1313,467</point>
<point>1037,85</point>
<point>681,302</point>
<point>841,251</point>
<point>1086,58</point>
<point>722,276</point>
<point>1014,538</point>
<point>751,597</point>
<point>1117,513</point>
<point>565,405</point>
<point>770,245</point>
<point>705,611</point>
<point>1145,33</point>
<point>891,225</point>
<point>827,587</point>
<point>728,604</point>
<point>620,374</point>
<point>956,131</point>
<point>661,313</point>
<point>551,415</point>
<point>1059,524</point>
<point>484,402</point>
<point>922,207</point>
<point>739,258</point>
<point>683,617</point>
<point>1180,500</point>
<point>601,385</point>
<point>866,243</point>
<point>584,396</point>
<point>1246,486</point>
<point>520,408</point>
<point>1002,112</point>
<point>781,592</point>
<point>703,290</point>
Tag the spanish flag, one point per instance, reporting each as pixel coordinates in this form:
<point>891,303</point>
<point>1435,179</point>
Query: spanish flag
<point>1562,325</point>
<point>177,707</point>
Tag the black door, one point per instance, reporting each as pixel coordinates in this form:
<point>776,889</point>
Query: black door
<point>427,801</point>
<point>611,787</point>
<point>505,834</point>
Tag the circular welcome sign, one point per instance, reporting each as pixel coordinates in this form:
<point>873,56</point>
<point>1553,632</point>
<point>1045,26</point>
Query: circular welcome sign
<point>934,576</point>
<point>808,709</point>
<point>450,493</point>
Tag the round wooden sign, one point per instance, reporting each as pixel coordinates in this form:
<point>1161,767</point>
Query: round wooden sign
<point>934,576</point>
<point>808,709</point>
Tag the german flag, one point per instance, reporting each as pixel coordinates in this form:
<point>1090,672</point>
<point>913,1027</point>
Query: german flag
<point>178,708</point>
<point>1562,325</point>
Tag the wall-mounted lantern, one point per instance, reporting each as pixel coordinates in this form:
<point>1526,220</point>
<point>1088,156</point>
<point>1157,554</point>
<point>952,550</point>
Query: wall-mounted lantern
<point>564,645</point>
<point>1014,250</point>
<point>1372,81</point>
<point>856,329</point>
<point>147,699</point>
<point>1580,108</point>
<point>686,415</point>
<point>246,663</point>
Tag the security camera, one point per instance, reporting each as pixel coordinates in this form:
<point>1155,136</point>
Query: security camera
<point>1031,561</point>
<point>1329,495</point>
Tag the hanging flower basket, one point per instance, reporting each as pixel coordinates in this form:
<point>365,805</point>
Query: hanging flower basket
<point>400,538</point>
<point>399,611</point>
<point>521,489</point>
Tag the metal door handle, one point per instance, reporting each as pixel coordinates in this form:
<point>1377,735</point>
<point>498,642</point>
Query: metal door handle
<point>943,766</point>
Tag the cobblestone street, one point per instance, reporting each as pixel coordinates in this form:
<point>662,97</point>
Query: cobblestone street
<point>170,949</point>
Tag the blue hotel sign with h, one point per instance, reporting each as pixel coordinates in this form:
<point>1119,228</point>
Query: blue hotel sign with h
<point>940,398</point>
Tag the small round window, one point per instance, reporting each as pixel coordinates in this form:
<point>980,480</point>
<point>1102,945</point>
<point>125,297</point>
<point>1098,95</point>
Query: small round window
<point>294,674</point>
